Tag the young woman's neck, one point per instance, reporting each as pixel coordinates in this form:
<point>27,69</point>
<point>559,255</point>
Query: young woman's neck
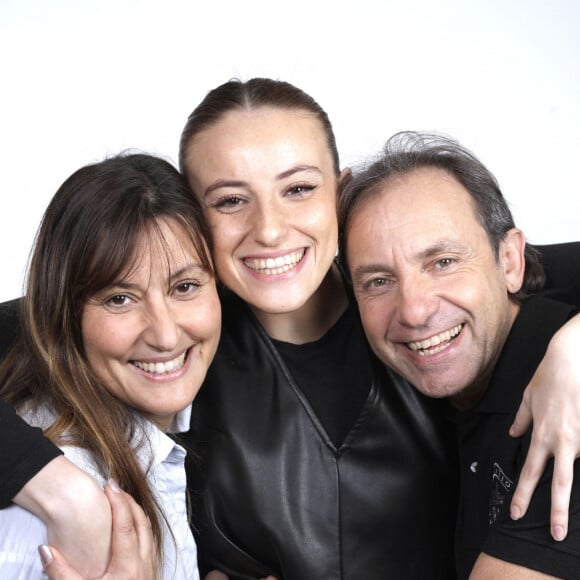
<point>314,318</point>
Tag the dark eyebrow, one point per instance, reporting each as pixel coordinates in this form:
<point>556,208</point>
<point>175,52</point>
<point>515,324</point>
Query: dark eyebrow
<point>191,267</point>
<point>436,249</point>
<point>219,183</point>
<point>442,247</point>
<point>368,269</point>
<point>298,169</point>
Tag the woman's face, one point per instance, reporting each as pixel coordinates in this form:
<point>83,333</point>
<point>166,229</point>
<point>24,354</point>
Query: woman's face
<point>151,337</point>
<point>266,180</point>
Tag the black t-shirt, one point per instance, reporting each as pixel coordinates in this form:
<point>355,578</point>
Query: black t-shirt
<point>24,451</point>
<point>336,388</point>
<point>490,461</point>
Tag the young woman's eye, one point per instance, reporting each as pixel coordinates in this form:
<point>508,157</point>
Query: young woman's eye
<point>300,190</point>
<point>228,202</point>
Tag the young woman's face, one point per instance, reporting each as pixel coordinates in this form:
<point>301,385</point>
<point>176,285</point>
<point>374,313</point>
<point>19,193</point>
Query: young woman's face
<point>151,337</point>
<point>266,180</point>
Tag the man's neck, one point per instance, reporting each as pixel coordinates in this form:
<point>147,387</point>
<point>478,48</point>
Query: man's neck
<point>470,396</point>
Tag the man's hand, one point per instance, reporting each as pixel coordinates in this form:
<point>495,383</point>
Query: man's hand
<point>134,555</point>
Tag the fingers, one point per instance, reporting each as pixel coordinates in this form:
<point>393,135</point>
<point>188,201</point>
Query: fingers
<point>523,418</point>
<point>55,566</point>
<point>530,474</point>
<point>133,548</point>
<point>561,490</point>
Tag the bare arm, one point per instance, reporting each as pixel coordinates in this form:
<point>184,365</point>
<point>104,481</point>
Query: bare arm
<point>75,511</point>
<point>490,568</point>
<point>133,549</point>
<point>553,399</point>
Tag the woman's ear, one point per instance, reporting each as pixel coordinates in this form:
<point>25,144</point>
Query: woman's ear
<point>512,259</point>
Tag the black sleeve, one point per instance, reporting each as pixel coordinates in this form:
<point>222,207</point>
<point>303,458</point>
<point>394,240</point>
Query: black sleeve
<point>527,542</point>
<point>24,450</point>
<point>562,267</point>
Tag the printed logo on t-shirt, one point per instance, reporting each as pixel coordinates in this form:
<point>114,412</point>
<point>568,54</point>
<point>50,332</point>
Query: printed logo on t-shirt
<point>501,488</point>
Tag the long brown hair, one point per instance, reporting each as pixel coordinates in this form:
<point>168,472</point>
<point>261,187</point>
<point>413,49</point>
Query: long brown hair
<point>87,240</point>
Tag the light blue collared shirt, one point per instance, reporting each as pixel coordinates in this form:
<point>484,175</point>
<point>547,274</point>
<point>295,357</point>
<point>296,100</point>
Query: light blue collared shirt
<point>161,459</point>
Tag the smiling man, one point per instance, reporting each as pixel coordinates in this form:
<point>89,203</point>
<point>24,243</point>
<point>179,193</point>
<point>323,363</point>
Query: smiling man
<point>441,275</point>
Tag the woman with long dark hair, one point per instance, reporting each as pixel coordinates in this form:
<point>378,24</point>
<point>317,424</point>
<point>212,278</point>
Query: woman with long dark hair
<point>120,322</point>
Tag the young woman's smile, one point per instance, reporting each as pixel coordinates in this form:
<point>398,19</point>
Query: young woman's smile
<point>267,181</point>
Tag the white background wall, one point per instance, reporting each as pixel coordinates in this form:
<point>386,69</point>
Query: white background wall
<point>82,79</point>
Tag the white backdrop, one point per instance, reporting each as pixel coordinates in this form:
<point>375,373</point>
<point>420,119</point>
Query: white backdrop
<point>80,80</point>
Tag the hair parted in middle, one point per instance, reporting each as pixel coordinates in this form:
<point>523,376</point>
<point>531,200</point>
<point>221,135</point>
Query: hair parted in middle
<point>252,94</point>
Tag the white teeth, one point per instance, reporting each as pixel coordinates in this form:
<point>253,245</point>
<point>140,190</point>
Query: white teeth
<point>435,344</point>
<point>161,368</point>
<point>279,265</point>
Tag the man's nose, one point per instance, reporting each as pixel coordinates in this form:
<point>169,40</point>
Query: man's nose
<point>417,302</point>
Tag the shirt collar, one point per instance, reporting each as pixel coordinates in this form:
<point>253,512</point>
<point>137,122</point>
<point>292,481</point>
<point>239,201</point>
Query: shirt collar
<point>157,446</point>
<point>181,421</point>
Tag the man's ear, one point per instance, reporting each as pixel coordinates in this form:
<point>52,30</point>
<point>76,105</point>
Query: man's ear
<point>512,260</point>
<point>343,179</point>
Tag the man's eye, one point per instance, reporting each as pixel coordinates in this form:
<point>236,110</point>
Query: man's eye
<point>444,263</point>
<point>378,282</point>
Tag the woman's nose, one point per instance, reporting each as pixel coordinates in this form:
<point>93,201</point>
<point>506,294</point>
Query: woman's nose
<point>270,224</point>
<point>162,328</point>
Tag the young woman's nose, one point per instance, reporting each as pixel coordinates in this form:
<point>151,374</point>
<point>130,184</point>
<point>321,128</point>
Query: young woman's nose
<point>269,223</point>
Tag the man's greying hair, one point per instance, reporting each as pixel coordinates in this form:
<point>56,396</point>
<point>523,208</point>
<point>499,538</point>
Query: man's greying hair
<point>408,151</point>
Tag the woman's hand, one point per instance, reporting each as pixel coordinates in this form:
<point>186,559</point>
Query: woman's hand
<point>133,550</point>
<point>552,399</point>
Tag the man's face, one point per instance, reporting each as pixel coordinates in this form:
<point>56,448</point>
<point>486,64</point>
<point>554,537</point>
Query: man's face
<point>433,298</point>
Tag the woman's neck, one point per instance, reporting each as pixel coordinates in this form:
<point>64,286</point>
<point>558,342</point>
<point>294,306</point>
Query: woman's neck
<point>310,322</point>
